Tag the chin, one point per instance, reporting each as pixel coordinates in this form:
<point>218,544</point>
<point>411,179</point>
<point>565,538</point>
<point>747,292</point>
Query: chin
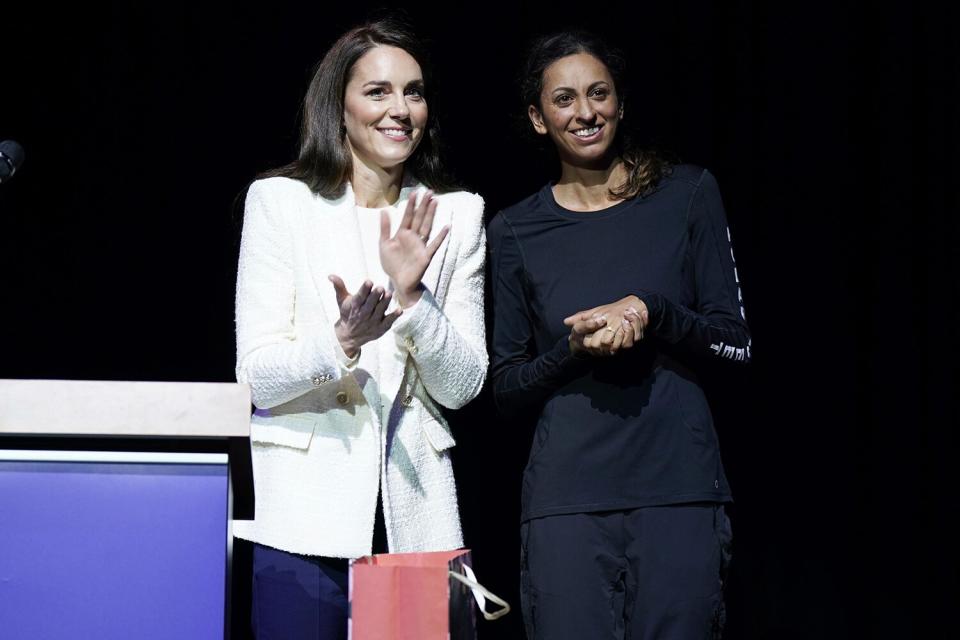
<point>591,156</point>
<point>388,161</point>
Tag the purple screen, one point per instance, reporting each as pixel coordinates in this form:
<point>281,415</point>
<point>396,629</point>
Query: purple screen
<point>112,550</point>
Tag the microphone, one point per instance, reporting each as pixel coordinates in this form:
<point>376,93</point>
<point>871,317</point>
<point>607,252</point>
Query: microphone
<point>11,157</point>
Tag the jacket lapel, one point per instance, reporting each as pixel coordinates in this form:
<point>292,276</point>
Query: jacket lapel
<point>394,363</point>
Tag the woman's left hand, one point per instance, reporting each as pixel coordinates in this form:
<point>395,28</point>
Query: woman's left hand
<point>611,327</point>
<point>406,255</point>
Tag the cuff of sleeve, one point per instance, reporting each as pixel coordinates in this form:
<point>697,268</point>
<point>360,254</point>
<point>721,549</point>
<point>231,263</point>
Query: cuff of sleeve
<point>412,322</point>
<point>654,303</point>
<point>346,362</point>
<point>567,356</point>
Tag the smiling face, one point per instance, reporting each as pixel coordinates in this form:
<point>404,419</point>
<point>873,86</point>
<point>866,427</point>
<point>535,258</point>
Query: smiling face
<point>384,109</point>
<point>579,109</point>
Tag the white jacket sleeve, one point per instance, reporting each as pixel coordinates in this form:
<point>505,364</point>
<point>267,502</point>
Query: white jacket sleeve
<point>277,358</point>
<point>448,344</point>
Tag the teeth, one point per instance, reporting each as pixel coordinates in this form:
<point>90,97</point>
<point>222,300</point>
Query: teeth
<point>585,133</point>
<point>395,132</point>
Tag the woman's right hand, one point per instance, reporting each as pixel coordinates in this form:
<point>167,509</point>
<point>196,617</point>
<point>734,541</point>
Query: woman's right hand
<point>363,316</point>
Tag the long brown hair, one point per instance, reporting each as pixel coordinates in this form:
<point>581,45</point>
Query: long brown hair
<point>324,162</point>
<point>645,167</point>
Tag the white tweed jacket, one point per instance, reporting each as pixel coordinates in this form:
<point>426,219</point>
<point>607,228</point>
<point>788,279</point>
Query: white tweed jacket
<point>327,433</point>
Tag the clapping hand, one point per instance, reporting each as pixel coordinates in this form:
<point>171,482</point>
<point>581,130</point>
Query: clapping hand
<point>406,255</point>
<point>363,316</point>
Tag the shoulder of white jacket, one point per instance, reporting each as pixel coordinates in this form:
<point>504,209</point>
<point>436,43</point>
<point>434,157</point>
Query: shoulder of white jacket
<point>462,202</point>
<point>281,185</point>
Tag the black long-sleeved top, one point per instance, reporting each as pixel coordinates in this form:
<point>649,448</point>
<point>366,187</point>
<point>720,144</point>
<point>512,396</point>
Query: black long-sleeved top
<point>634,429</point>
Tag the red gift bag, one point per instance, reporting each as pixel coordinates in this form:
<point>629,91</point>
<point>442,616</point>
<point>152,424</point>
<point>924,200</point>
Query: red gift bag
<point>417,596</point>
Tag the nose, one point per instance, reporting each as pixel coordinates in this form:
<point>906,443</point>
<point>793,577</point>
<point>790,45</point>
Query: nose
<point>399,109</point>
<point>585,111</point>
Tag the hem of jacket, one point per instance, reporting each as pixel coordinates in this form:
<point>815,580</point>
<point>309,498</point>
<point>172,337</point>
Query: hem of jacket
<point>298,547</point>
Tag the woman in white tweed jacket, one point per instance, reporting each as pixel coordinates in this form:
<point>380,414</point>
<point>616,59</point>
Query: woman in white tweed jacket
<point>359,314</point>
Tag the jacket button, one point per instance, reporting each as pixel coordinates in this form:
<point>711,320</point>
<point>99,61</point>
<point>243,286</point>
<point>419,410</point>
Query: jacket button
<point>342,397</point>
<point>406,400</point>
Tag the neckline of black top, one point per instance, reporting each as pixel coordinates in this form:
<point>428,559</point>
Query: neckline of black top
<point>546,194</point>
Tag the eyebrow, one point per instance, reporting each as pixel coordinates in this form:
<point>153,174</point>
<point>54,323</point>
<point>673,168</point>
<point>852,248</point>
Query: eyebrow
<point>591,87</point>
<point>386,83</point>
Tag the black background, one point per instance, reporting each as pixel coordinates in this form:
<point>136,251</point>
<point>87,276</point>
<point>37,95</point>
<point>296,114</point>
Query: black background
<point>833,132</point>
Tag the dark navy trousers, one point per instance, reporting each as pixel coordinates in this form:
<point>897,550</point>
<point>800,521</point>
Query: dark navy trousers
<point>652,573</point>
<point>303,597</point>
<point>298,596</point>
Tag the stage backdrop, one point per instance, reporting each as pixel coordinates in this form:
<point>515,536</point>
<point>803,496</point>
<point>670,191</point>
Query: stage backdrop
<point>833,135</point>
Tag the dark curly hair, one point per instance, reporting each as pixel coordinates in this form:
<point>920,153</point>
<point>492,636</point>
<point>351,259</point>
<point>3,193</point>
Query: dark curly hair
<point>644,167</point>
<point>324,162</point>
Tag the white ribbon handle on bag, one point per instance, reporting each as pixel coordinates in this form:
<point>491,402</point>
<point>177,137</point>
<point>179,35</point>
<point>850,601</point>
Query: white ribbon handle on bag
<point>482,594</point>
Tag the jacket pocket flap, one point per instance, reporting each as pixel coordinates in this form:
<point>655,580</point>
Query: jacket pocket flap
<point>287,431</point>
<point>437,432</point>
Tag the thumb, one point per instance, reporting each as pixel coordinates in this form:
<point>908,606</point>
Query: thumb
<point>339,288</point>
<point>578,316</point>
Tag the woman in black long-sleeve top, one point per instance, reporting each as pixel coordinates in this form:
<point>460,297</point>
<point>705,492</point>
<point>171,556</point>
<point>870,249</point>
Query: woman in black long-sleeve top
<point>609,285</point>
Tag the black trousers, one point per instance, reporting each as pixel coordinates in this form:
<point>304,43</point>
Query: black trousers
<point>640,574</point>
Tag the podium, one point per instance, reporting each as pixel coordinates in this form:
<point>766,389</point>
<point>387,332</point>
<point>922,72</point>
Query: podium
<point>116,500</point>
